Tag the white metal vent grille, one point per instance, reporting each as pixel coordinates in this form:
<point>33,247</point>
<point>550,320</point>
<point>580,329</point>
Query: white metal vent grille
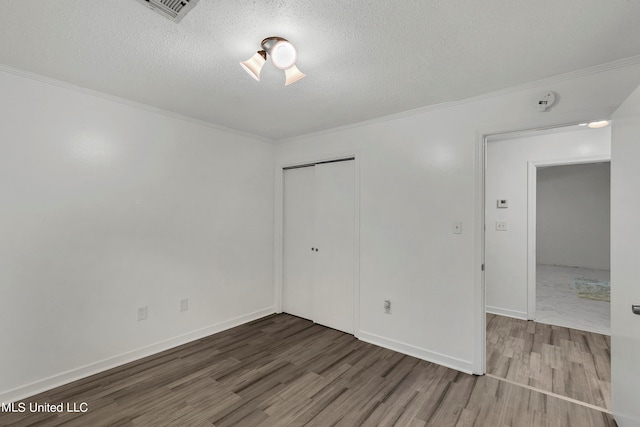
<point>172,9</point>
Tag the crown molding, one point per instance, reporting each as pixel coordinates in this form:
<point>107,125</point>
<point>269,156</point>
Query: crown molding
<point>128,102</point>
<point>608,66</point>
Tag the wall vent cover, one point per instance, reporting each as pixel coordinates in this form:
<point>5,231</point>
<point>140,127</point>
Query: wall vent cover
<point>172,9</point>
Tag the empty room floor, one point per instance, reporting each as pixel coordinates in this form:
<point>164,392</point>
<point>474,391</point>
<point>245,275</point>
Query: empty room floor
<point>558,300</point>
<point>282,370</point>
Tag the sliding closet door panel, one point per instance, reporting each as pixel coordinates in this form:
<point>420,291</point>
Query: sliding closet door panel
<point>335,239</point>
<point>298,268</point>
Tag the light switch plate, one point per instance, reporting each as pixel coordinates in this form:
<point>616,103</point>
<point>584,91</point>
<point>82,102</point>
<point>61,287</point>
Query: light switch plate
<point>503,203</point>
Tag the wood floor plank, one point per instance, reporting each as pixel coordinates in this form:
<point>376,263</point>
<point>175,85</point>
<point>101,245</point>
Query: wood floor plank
<point>568,362</point>
<point>285,371</point>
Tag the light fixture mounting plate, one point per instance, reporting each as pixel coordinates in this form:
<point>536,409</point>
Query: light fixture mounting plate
<point>268,43</point>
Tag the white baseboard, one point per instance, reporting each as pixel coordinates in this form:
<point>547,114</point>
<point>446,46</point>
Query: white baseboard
<point>421,353</point>
<point>509,313</point>
<point>115,361</point>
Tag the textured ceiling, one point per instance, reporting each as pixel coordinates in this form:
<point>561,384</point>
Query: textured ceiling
<point>363,59</point>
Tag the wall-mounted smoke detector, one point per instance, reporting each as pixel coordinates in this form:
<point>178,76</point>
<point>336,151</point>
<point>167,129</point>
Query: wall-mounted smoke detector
<point>546,101</point>
<point>172,9</point>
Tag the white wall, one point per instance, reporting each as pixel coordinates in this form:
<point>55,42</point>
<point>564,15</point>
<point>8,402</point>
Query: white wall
<point>506,178</point>
<point>106,207</point>
<point>418,174</point>
<point>625,268</point>
<point>573,215</point>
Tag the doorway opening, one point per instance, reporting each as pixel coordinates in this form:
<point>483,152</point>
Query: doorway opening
<point>572,245</point>
<point>555,359</point>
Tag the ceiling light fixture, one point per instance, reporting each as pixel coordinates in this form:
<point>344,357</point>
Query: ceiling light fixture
<point>600,124</point>
<point>283,56</point>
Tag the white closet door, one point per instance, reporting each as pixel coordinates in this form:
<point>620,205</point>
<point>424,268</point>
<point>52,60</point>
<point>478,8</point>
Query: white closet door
<point>335,239</point>
<point>298,268</point>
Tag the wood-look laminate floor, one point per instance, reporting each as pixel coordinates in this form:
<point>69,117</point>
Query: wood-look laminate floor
<point>568,362</point>
<point>283,370</point>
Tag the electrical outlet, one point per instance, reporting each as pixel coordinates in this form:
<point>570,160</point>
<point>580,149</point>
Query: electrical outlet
<point>184,304</point>
<point>501,225</point>
<point>387,306</point>
<point>142,313</point>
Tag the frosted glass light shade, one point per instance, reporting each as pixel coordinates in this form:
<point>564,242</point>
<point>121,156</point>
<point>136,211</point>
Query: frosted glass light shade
<point>292,75</point>
<point>600,124</point>
<point>283,55</point>
<point>253,65</point>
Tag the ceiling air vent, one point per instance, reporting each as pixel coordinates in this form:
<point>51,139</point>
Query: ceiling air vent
<point>172,9</point>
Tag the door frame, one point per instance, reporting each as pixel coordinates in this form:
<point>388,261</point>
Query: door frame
<point>539,122</point>
<point>532,184</point>
<point>278,259</point>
